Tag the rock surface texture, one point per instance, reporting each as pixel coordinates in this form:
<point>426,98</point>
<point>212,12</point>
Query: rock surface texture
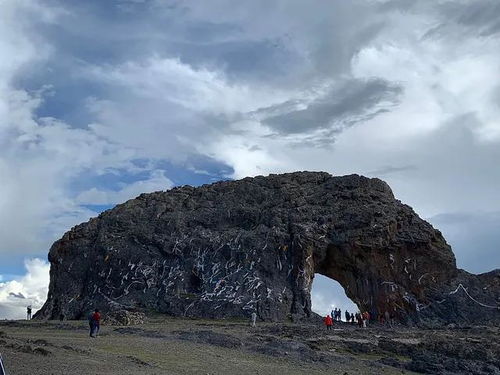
<point>234,247</point>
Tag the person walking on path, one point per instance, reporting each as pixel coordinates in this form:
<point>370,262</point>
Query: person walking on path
<point>28,312</point>
<point>96,323</point>
<point>254,318</point>
<point>328,322</point>
<point>347,316</point>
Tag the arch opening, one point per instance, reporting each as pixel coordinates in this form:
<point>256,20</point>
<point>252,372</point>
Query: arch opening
<point>328,294</point>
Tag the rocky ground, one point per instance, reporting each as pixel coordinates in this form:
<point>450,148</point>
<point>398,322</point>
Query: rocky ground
<point>181,346</point>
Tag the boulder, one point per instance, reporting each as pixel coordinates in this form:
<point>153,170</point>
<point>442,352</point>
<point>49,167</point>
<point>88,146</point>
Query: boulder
<point>234,247</point>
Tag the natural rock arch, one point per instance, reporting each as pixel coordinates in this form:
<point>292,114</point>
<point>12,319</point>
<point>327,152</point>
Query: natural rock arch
<point>230,248</point>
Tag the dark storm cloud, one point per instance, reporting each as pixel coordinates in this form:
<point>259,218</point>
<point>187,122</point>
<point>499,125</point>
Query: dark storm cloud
<point>246,44</point>
<point>342,106</point>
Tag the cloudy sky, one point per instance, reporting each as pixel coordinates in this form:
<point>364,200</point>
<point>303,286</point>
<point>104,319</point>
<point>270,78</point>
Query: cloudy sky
<point>103,100</point>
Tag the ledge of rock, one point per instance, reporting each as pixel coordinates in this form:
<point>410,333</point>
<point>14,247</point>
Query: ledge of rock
<point>231,248</point>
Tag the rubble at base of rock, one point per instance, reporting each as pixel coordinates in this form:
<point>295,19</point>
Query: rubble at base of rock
<point>124,318</point>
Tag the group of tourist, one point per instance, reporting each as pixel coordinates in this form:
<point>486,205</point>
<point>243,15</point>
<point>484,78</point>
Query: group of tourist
<point>362,319</point>
<point>336,315</point>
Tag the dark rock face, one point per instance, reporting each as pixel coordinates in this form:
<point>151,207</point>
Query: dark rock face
<point>231,248</point>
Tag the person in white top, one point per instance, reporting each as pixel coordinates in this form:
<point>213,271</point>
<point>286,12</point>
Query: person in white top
<point>254,318</point>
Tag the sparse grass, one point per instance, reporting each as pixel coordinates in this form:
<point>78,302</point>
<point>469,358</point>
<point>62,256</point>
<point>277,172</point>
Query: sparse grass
<point>137,353</point>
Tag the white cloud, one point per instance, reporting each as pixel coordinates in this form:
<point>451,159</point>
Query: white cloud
<point>156,182</point>
<point>30,289</point>
<point>39,157</point>
<point>23,202</point>
<point>175,96</point>
<point>199,90</point>
<point>327,294</point>
<point>445,125</point>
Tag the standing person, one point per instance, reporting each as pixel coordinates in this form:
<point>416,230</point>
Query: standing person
<point>347,316</point>
<point>359,318</point>
<point>366,318</point>
<point>90,318</point>
<point>254,318</point>
<point>339,315</point>
<point>96,320</point>
<point>28,312</point>
<point>353,316</point>
<point>328,322</point>
<point>332,314</point>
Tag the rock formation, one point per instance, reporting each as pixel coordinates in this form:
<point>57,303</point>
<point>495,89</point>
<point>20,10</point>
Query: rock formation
<point>230,248</point>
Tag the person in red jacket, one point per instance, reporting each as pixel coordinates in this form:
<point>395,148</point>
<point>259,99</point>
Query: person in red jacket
<point>96,323</point>
<point>328,322</point>
<point>366,318</point>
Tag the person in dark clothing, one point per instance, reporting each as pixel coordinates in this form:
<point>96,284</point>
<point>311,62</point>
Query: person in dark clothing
<point>347,316</point>
<point>28,312</point>
<point>359,318</point>
<point>91,324</point>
